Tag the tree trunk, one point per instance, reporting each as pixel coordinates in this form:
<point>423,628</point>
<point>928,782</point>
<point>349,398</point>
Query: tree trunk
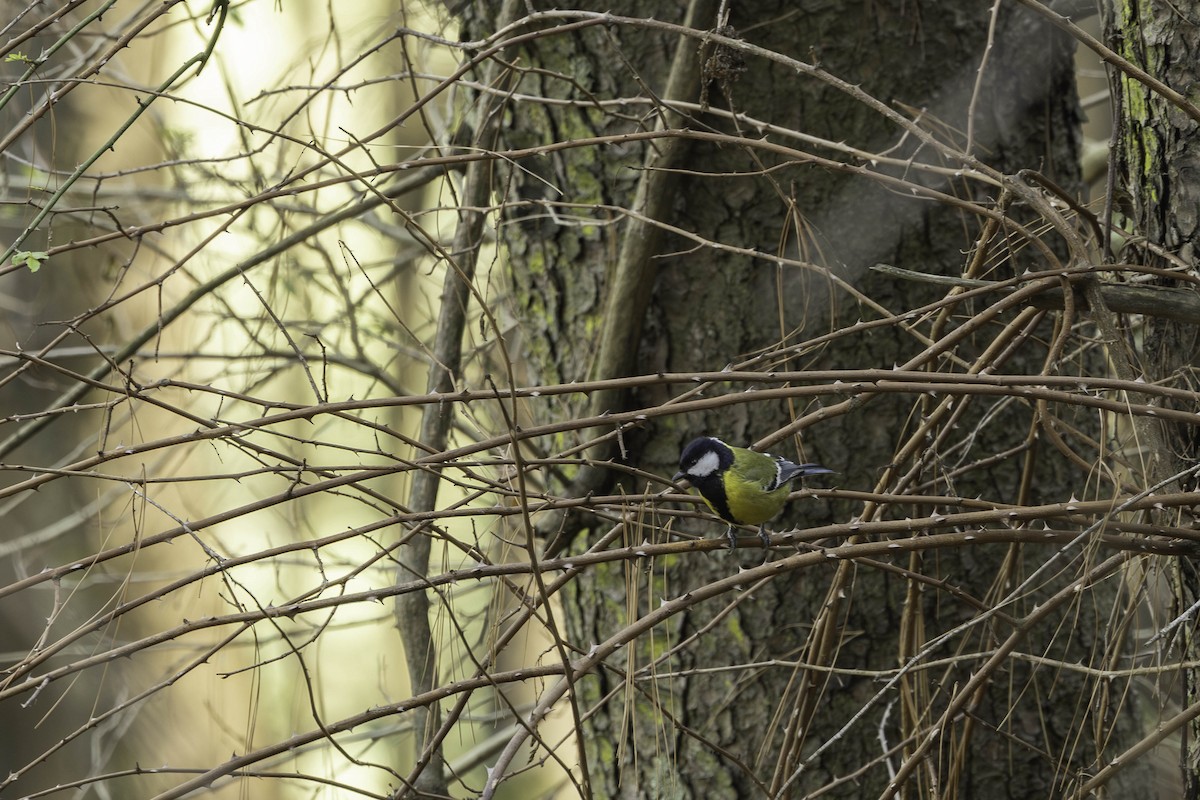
<point>761,695</point>
<point>1157,152</point>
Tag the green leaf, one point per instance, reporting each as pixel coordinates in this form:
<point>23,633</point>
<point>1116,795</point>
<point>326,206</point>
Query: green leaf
<point>30,258</point>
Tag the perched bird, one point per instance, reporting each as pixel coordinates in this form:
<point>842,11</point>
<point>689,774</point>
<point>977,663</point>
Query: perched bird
<point>741,486</point>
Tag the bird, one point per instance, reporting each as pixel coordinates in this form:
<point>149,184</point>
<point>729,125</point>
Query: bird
<point>742,487</point>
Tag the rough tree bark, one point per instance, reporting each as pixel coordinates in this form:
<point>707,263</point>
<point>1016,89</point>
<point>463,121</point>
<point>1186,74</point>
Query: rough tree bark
<point>712,732</point>
<point>1156,158</point>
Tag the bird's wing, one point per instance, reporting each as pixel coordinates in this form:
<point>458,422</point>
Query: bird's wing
<point>764,472</point>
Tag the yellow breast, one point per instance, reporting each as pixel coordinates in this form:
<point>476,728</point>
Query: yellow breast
<point>750,505</point>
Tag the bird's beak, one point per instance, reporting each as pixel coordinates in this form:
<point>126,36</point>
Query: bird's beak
<point>678,476</point>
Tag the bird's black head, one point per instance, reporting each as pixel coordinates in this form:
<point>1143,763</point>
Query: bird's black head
<point>704,458</point>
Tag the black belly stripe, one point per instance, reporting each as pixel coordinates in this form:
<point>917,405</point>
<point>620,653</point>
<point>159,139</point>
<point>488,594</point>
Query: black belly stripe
<point>714,492</point>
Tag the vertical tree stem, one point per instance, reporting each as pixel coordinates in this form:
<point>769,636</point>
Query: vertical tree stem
<point>412,609</point>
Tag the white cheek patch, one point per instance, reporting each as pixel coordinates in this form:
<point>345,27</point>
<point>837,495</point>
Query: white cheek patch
<point>706,465</point>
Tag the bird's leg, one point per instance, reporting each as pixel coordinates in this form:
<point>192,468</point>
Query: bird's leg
<point>762,534</point>
<point>732,538</point>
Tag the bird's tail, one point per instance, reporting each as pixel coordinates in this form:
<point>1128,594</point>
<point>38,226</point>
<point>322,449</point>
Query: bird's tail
<point>790,471</point>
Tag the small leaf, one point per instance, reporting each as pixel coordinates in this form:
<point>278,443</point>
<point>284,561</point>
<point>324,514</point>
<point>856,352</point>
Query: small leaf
<point>29,258</point>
